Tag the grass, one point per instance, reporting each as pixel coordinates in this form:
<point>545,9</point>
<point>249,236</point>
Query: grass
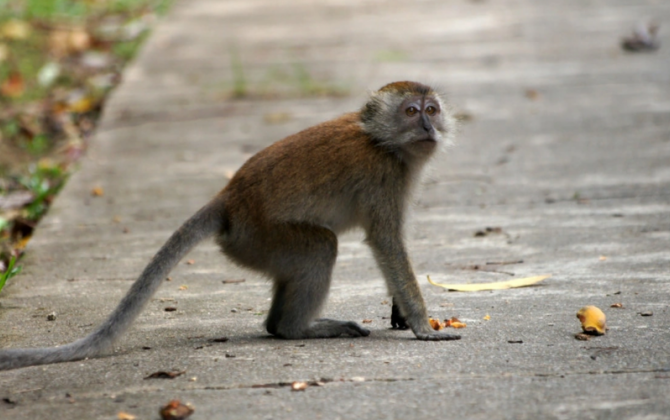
<point>11,271</point>
<point>50,96</point>
<point>292,80</point>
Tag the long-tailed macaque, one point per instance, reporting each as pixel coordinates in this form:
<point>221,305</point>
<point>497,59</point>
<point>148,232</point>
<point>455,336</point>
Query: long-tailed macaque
<point>281,212</point>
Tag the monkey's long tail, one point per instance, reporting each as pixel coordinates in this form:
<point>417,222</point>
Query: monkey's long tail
<point>203,224</point>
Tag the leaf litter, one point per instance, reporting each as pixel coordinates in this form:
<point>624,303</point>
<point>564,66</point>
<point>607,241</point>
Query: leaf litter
<point>57,66</point>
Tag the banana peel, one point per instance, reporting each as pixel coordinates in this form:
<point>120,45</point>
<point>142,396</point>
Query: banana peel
<point>499,285</point>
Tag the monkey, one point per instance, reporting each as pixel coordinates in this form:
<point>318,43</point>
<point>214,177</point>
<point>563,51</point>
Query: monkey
<point>282,210</point>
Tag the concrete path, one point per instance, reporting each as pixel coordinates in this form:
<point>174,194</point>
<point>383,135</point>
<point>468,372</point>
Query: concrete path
<point>565,146</point>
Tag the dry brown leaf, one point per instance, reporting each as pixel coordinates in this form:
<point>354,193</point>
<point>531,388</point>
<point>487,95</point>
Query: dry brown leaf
<point>367,321</point>
<point>183,287</point>
<point>20,245</point>
<point>532,94</point>
<point>97,192</point>
<point>190,262</point>
<point>165,375</point>
<point>13,86</point>
<point>593,320</point>
<point>617,305</point>
<point>476,287</point>
<point>122,415</point>
<point>232,281</point>
<point>78,40</point>
<point>175,410</point>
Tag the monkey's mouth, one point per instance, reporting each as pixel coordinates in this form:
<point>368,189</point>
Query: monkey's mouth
<point>427,143</point>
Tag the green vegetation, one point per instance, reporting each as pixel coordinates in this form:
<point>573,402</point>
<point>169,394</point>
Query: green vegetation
<point>58,61</point>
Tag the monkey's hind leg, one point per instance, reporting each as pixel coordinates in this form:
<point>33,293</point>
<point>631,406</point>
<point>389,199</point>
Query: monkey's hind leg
<point>301,286</point>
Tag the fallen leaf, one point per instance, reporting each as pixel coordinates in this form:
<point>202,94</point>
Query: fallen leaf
<point>617,305</point>
<point>80,102</point>
<point>532,94</point>
<point>183,287</point>
<point>602,258</point>
<point>78,40</point>
<point>165,375</point>
<point>476,287</point>
<point>21,245</point>
<point>190,262</point>
<point>230,281</point>
<point>488,231</point>
<point>299,386</point>
<point>487,317</point>
<point>48,74</point>
<point>367,321</point>
<point>15,29</point>
<point>122,415</point>
<point>4,52</point>
<point>593,320</point>
<point>175,410</point>
<point>454,323</point>
<point>582,337</point>
<point>435,324</point>
<point>16,199</point>
<point>97,192</point>
<point>13,86</point>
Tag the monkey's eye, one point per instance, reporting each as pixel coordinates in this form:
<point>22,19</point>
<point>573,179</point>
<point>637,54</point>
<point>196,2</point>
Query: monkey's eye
<point>431,110</point>
<point>411,111</point>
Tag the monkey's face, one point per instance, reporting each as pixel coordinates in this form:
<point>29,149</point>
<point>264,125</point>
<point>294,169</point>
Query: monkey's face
<point>409,119</point>
<point>421,124</point>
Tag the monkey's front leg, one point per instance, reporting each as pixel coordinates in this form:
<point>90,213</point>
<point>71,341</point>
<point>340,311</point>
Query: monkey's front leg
<point>394,263</point>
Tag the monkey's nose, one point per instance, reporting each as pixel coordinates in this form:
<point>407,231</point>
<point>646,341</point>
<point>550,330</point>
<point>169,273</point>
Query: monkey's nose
<point>425,123</point>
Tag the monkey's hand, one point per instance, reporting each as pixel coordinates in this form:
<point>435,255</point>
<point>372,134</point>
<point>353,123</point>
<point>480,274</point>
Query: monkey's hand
<point>436,336</point>
<point>398,321</point>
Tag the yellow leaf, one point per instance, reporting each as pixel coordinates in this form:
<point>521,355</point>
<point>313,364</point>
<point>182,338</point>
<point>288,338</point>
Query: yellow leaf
<point>122,415</point>
<point>476,287</point>
<point>15,29</point>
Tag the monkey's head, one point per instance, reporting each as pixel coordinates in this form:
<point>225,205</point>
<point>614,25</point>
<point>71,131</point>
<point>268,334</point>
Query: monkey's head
<point>408,118</point>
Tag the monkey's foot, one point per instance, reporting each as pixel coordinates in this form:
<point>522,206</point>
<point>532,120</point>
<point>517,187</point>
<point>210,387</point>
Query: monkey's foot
<point>331,328</point>
<point>436,336</point>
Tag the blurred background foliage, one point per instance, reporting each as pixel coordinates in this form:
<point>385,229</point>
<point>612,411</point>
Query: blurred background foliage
<point>58,61</point>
